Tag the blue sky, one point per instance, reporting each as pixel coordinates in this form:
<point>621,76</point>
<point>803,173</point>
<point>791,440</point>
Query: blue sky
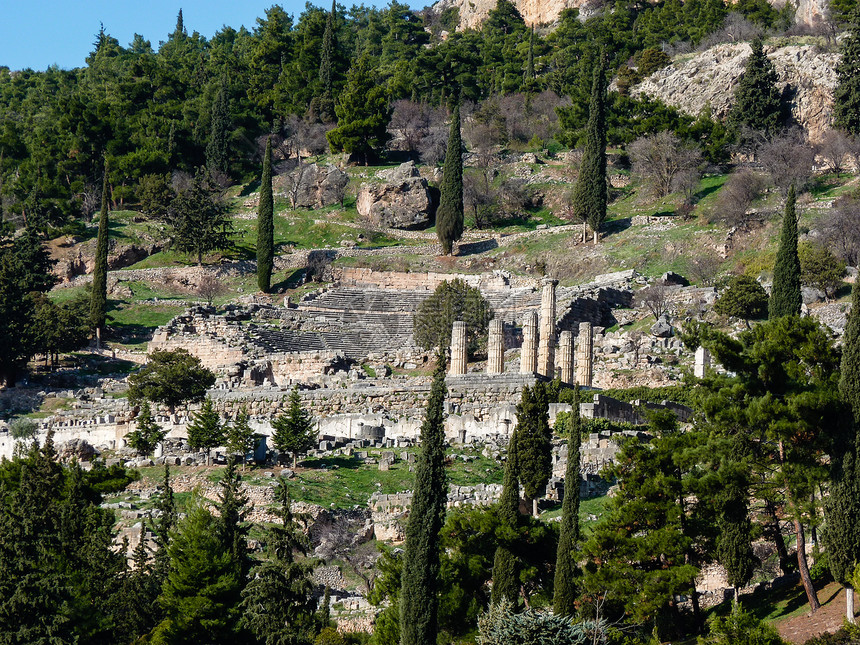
<point>40,33</point>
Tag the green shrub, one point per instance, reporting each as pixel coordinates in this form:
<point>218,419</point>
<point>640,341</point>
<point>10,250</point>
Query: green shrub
<point>740,628</point>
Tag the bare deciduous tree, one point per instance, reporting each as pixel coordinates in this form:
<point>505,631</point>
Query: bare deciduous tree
<point>210,288</point>
<point>654,298</point>
<point>666,163</point>
<point>737,195</point>
<point>841,229</point>
<point>835,149</point>
<point>788,159</point>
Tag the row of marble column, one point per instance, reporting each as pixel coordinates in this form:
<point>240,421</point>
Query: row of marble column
<point>539,354</point>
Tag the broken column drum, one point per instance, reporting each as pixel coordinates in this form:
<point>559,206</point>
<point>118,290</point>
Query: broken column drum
<point>528,354</point>
<point>496,348</point>
<point>565,356</point>
<point>702,362</point>
<point>458,348</point>
<point>584,355</point>
<point>546,348</point>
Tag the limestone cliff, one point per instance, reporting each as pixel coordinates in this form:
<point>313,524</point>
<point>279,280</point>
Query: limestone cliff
<point>545,12</point>
<point>692,82</point>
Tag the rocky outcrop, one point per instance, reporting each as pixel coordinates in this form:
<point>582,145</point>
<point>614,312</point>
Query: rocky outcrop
<point>73,258</point>
<point>403,200</point>
<point>710,78</point>
<point>312,185</point>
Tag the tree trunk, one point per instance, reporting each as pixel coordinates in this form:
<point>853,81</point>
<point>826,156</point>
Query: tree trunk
<point>295,460</point>
<point>849,603</point>
<point>98,337</point>
<point>804,567</point>
<point>596,238</point>
<point>773,531</point>
<point>736,591</point>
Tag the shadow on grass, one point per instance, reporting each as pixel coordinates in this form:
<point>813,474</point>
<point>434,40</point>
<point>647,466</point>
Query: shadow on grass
<point>292,281</point>
<point>699,196</point>
<point>350,463</point>
<point>615,226</point>
<point>250,188</point>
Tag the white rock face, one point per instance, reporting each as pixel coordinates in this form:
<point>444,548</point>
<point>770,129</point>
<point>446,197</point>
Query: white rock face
<point>710,78</point>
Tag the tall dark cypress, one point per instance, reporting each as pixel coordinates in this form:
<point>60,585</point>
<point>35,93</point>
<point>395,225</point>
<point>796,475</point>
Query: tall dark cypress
<point>842,506</point>
<point>419,603</point>
<point>218,148</point>
<point>327,67</point>
<point>534,442</point>
<point>506,581</point>
<point>591,193</point>
<point>530,61</point>
<point>785,297</point>
<point>449,215</point>
<point>98,296</point>
<point>565,564</point>
<point>846,96</point>
<point>266,224</point>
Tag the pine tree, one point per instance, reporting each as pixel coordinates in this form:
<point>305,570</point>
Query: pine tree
<point>278,604</point>
<point>758,103</point>
<point>506,580</point>
<point>266,224</point>
<point>164,523</point>
<point>240,435</point>
<point>449,215</point>
<point>205,430</point>
<point>295,432</point>
<point>846,96</point>
<point>591,193</point>
<point>327,67</point>
<point>362,113</point>
<point>148,433</point>
<point>785,296</point>
<point>98,297</point>
<point>568,537</point>
<point>200,222</point>
<point>139,610</point>
<point>218,148</point>
<point>199,594</point>
<point>842,506</point>
<point>232,510</point>
<point>534,439</point>
<point>419,603</point>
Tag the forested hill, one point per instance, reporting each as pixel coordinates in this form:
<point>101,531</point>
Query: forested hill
<point>148,111</point>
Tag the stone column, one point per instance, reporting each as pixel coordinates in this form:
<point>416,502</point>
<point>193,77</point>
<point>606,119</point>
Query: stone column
<point>546,348</point>
<point>584,355</point>
<point>458,348</point>
<point>528,354</point>
<point>703,362</point>
<point>565,356</point>
<point>496,348</point>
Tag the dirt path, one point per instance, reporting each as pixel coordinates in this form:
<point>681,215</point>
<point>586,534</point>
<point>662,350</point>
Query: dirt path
<point>799,629</point>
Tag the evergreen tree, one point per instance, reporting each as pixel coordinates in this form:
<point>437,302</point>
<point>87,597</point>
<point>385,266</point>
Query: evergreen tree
<point>326,103</point>
<point>744,298</point>
<point>172,378</point>
<point>205,430</point>
<point>295,431</point>
<point>218,148</point>
<point>846,96</point>
<point>591,193</point>
<point>278,605</point>
<point>266,224</point>
<point>199,593</point>
<point>842,506</point>
<point>568,537</point>
<point>362,113</point>
<point>164,523</point>
<point>534,439</point>
<point>506,579</point>
<point>758,103</point>
<point>240,435</point>
<point>199,220</point>
<point>139,611</point>
<point>419,602</point>
<point>148,433</point>
<point>232,510</point>
<point>449,215</point>
<point>785,296</point>
<point>98,296</point>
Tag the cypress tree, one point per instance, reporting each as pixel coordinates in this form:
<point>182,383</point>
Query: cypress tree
<point>565,565</point>
<point>205,430</point>
<point>842,506</point>
<point>785,297</point>
<point>266,224</point>
<point>218,148</point>
<point>419,603</point>
<point>758,103</point>
<point>534,442</point>
<point>846,96</point>
<point>506,582</point>
<point>232,510</point>
<point>591,193</point>
<point>449,215</point>
<point>98,296</point>
<point>327,67</point>
<point>530,62</point>
<point>163,525</point>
